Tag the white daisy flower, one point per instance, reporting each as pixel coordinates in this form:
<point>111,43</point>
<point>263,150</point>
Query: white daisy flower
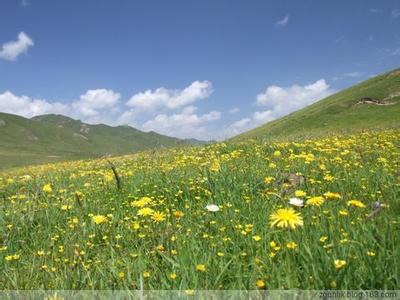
<point>296,202</point>
<point>212,207</point>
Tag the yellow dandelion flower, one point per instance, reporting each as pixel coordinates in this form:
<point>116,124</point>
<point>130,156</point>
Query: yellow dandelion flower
<point>315,201</point>
<point>300,193</point>
<point>142,202</point>
<point>286,217</point>
<point>330,195</point>
<point>99,219</point>
<point>135,225</point>
<point>260,284</point>
<point>256,238</point>
<point>215,166</point>
<point>268,179</point>
<point>200,268</point>
<point>323,239</point>
<point>356,203</point>
<point>47,188</point>
<point>178,214</point>
<point>339,263</point>
<point>172,276</point>
<point>146,274</point>
<point>291,245</point>
<point>158,217</point>
<point>146,211</point>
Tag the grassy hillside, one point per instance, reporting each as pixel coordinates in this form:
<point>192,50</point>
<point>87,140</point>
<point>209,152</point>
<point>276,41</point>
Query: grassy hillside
<point>344,111</point>
<point>52,138</point>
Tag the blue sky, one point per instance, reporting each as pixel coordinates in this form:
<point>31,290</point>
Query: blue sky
<point>204,69</point>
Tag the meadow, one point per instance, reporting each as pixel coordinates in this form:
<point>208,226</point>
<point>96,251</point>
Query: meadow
<point>317,214</point>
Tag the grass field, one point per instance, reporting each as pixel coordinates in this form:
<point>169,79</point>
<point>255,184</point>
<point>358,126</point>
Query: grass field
<point>68,226</point>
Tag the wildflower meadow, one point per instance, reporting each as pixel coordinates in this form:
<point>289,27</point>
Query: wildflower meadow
<point>317,214</point>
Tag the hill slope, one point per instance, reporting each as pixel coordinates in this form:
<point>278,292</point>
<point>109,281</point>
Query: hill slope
<point>374,103</point>
<point>50,138</point>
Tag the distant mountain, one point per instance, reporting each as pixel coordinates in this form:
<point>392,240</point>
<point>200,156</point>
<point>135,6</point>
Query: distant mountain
<point>374,103</point>
<point>50,138</point>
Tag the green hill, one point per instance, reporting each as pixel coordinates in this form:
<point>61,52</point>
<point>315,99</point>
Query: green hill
<point>51,138</point>
<point>374,103</point>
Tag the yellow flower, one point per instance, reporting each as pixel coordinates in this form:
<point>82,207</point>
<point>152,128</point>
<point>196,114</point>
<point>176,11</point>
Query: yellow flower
<point>172,276</point>
<point>315,201</point>
<point>142,202</point>
<point>260,284</point>
<point>135,225</point>
<point>286,217</point>
<point>256,238</point>
<point>66,207</point>
<point>356,203</point>
<point>300,193</point>
<point>40,253</point>
<point>268,179</point>
<point>121,275</point>
<point>331,195</point>
<point>215,166</point>
<point>291,245</point>
<point>339,263</point>
<point>323,239</point>
<point>178,214</point>
<point>343,212</point>
<point>370,253</point>
<point>200,268</point>
<point>47,188</point>
<point>146,211</point>
<point>98,219</point>
<point>158,217</point>
<point>146,274</point>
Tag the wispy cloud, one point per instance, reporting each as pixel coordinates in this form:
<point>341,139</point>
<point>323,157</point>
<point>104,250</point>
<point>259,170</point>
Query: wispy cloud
<point>354,74</point>
<point>339,39</point>
<point>395,13</point>
<point>375,10</point>
<point>12,49</point>
<point>283,22</point>
<point>25,3</point>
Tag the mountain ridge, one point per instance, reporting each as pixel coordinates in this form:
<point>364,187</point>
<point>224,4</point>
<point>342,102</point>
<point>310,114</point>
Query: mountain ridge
<point>52,137</point>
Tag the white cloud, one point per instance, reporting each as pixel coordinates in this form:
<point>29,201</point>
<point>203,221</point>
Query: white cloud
<point>11,50</point>
<point>283,100</point>
<point>105,106</point>
<point>28,107</point>
<point>186,124</point>
<point>92,101</point>
<point>280,101</point>
<point>94,106</point>
<point>283,22</point>
<point>396,13</point>
<point>233,110</point>
<point>171,99</point>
